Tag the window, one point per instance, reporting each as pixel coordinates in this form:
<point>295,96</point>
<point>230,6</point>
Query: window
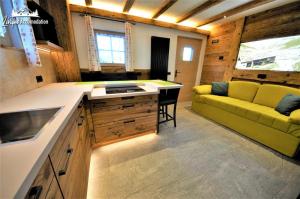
<point>187,54</point>
<point>111,48</point>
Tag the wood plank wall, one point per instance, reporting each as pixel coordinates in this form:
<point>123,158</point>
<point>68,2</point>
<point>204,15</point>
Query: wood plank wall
<point>221,51</point>
<point>277,22</point>
<point>67,64</point>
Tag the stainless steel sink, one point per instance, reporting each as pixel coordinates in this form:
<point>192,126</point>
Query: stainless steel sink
<point>24,125</point>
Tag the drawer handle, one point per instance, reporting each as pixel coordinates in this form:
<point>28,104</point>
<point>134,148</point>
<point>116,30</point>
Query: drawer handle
<point>140,128</point>
<point>126,98</point>
<point>128,106</point>
<point>35,192</point>
<point>64,171</point>
<point>129,121</point>
<point>118,133</point>
<point>81,120</point>
<point>98,103</point>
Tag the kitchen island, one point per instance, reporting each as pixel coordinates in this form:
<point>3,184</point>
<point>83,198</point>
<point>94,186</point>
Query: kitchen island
<point>22,161</point>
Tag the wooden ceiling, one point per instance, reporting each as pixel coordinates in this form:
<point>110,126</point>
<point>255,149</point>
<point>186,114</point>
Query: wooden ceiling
<point>189,15</point>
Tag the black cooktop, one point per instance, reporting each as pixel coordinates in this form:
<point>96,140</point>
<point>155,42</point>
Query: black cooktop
<point>129,89</point>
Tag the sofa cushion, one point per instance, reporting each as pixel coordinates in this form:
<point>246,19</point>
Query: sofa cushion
<point>255,112</point>
<point>219,88</point>
<point>202,89</point>
<point>243,90</point>
<point>295,116</point>
<point>288,104</point>
<point>270,95</point>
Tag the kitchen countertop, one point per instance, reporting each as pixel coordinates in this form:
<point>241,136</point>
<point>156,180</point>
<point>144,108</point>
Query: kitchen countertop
<point>21,161</point>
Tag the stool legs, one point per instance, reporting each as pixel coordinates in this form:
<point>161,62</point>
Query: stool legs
<point>174,114</point>
<point>166,108</point>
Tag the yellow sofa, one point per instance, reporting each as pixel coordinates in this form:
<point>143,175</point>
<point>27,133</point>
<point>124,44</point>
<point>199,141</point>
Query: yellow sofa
<point>249,110</point>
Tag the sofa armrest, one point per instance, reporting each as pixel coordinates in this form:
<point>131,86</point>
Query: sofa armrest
<point>295,116</point>
<point>202,89</point>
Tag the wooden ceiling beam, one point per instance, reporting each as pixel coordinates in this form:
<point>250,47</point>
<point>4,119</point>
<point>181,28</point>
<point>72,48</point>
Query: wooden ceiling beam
<point>128,5</point>
<point>199,9</point>
<point>130,18</point>
<point>236,10</point>
<point>88,2</point>
<point>165,6</point>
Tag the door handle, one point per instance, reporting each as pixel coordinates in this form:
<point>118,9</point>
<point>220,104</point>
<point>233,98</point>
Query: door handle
<point>64,170</point>
<point>35,192</point>
<point>176,72</point>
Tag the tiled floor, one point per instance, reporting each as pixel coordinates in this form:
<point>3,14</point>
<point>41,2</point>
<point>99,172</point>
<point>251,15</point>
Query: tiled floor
<point>198,159</point>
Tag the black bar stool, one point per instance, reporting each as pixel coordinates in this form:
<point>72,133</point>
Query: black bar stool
<point>167,97</point>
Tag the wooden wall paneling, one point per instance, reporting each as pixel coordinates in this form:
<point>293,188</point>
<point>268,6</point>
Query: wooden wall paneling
<point>216,58</point>
<point>234,49</point>
<point>217,53</point>
<point>60,11</point>
<point>67,63</point>
<point>218,44</point>
<point>285,21</point>
<point>145,73</point>
<point>54,57</point>
<point>113,69</point>
<point>292,78</point>
<point>223,29</point>
<point>277,22</point>
<point>75,60</point>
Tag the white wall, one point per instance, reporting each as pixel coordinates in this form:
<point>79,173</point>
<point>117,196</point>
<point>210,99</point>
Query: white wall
<point>141,42</point>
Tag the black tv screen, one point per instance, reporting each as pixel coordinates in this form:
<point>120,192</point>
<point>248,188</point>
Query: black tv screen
<point>278,54</point>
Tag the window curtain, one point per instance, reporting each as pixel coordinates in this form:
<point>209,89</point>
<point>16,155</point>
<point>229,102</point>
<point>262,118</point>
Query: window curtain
<point>27,36</point>
<point>93,59</point>
<point>128,47</point>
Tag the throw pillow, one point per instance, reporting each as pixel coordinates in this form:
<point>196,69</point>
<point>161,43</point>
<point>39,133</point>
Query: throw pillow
<point>288,104</point>
<point>219,88</point>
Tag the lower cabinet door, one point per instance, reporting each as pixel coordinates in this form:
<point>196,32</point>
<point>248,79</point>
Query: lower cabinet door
<point>41,184</point>
<point>54,191</point>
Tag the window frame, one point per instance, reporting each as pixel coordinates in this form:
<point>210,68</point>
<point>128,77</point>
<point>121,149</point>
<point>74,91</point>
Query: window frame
<point>97,31</point>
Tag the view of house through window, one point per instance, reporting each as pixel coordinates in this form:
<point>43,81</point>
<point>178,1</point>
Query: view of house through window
<point>111,48</point>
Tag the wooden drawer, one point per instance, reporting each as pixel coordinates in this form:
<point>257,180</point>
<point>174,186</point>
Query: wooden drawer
<point>72,181</point>
<point>68,152</point>
<point>124,128</point>
<point>59,150</point>
<point>95,104</point>
<point>54,191</point>
<point>41,184</point>
<point>122,111</point>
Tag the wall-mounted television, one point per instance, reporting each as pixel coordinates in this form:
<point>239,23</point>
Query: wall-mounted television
<point>277,54</point>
